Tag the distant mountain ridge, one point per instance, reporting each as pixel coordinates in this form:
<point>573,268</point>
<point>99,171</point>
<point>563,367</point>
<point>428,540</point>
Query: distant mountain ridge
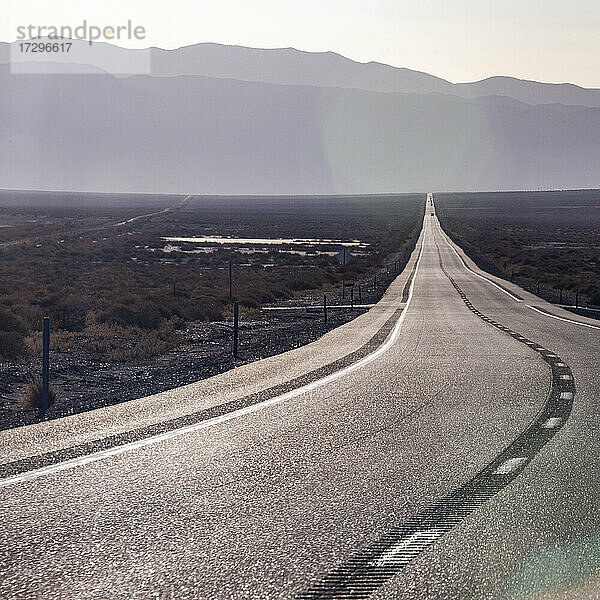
<point>314,131</point>
<point>328,69</point>
<point>290,66</point>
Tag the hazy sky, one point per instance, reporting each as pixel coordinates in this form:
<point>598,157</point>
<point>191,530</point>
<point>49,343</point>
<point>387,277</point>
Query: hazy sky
<point>460,40</point>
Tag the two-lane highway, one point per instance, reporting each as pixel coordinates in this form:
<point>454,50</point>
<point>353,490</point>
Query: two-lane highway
<point>405,469</point>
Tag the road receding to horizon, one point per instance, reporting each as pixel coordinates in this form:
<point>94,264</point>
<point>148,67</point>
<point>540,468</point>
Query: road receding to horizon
<point>442,445</point>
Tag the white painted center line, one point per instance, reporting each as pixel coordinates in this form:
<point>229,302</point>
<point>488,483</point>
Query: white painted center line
<point>560,364</point>
<point>408,548</point>
<point>552,423</point>
<point>445,238</point>
<point>565,377</point>
<point>566,395</point>
<point>512,464</point>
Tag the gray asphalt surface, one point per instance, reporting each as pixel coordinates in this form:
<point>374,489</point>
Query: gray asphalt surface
<point>265,505</point>
<point>540,537</point>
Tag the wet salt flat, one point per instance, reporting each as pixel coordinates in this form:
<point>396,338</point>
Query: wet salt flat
<point>265,241</point>
<point>210,249</point>
<point>171,248</point>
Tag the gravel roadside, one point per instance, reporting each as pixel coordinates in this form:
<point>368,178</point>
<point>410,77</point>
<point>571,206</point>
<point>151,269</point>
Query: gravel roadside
<point>83,383</point>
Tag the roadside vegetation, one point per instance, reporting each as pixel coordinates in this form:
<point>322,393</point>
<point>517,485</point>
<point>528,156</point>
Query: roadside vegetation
<point>548,237</point>
<point>121,291</point>
<point>31,396</point>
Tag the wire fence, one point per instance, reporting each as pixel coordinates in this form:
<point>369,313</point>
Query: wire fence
<point>567,298</point>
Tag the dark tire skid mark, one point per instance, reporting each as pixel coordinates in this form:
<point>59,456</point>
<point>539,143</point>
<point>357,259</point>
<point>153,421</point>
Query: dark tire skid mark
<point>370,568</point>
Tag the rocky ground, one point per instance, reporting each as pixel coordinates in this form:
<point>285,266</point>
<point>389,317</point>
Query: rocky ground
<point>82,383</point>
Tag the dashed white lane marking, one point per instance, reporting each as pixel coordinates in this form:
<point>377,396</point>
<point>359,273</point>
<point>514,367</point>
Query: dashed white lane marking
<point>566,377</point>
<point>510,465</point>
<point>445,238</point>
<point>149,441</point>
<point>407,549</point>
<point>552,423</point>
<point>561,318</point>
<point>560,364</point>
<point>566,395</point>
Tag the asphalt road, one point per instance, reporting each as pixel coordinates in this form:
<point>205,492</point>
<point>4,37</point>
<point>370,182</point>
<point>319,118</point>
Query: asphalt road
<point>440,460</point>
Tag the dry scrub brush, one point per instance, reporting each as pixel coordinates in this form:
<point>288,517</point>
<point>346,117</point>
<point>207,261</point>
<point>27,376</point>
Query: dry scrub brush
<point>31,395</point>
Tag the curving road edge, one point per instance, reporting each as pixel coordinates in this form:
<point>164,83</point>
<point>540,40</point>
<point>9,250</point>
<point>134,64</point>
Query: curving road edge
<point>373,566</point>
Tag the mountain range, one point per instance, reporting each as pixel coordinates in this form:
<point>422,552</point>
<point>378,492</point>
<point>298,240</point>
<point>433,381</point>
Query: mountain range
<point>214,119</point>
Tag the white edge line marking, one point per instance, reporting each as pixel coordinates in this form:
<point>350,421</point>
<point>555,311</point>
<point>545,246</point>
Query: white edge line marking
<point>309,387</point>
<point>561,318</point>
<point>445,238</point>
<point>406,549</point>
<point>510,465</point>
